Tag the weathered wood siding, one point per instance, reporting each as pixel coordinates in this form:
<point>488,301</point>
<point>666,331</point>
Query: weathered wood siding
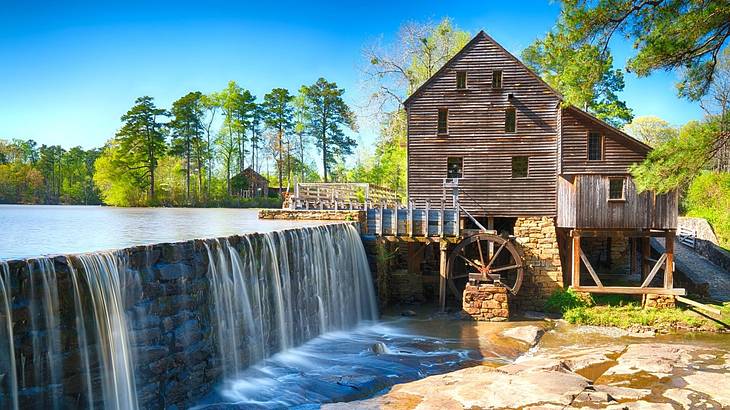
<point>585,204</point>
<point>476,132</point>
<point>618,154</point>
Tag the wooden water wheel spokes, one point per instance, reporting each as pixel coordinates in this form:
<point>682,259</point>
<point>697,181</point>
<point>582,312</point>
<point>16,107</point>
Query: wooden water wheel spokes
<point>485,257</point>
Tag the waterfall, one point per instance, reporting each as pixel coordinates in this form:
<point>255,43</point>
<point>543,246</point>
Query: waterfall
<point>156,326</point>
<point>7,359</point>
<point>102,273</point>
<point>280,289</point>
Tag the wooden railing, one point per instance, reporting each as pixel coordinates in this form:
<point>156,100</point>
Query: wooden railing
<point>342,196</point>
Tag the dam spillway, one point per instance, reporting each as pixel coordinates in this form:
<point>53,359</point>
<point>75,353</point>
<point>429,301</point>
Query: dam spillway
<point>160,325</point>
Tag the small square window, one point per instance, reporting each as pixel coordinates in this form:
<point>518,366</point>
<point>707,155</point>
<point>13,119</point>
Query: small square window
<point>443,125</point>
<point>454,166</point>
<point>520,167</point>
<point>616,188</point>
<point>497,79</point>
<point>461,80</point>
<point>510,120</point>
<point>595,146</point>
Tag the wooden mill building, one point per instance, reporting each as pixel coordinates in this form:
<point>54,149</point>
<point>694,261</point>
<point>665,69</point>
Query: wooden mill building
<point>552,175</point>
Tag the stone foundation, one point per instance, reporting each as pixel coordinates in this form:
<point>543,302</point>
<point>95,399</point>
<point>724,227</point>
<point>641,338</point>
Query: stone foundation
<point>660,301</point>
<point>609,254</point>
<point>540,253</point>
<point>486,302</point>
<point>314,215</point>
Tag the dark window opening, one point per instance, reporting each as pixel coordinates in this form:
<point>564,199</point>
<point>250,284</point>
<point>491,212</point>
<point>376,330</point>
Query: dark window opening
<point>497,79</point>
<point>616,188</point>
<point>454,167</point>
<point>510,120</point>
<point>519,167</point>
<point>461,79</point>
<point>595,146</point>
<point>443,126</point>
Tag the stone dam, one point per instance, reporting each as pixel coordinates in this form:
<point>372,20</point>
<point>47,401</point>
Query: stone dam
<point>159,326</point>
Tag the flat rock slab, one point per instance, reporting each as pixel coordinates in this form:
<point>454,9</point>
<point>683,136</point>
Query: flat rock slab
<point>655,358</point>
<point>529,334</point>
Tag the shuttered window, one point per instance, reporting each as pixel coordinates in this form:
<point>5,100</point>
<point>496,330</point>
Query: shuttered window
<point>497,79</point>
<point>461,80</point>
<point>443,125</point>
<point>595,146</point>
<point>616,189</point>
<point>520,167</point>
<point>510,120</point>
<point>454,166</point>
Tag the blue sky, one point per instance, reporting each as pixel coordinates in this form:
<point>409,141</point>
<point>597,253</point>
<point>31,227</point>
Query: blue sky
<point>68,72</point>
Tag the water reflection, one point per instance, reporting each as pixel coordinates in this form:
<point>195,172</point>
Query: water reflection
<point>33,230</point>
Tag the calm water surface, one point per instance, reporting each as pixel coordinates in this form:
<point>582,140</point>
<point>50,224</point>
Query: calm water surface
<point>34,230</point>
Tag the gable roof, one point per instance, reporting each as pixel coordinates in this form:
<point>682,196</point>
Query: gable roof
<point>623,137</point>
<point>480,36</point>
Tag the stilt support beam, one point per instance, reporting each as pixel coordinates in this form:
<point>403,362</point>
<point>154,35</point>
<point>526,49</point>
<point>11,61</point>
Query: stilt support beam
<point>444,247</point>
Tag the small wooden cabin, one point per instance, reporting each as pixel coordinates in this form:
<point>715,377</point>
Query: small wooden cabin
<point>517,151</point>
<point>256,184</point>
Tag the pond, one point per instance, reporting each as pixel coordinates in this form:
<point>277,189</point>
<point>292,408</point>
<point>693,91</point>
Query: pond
<point>33,230</point>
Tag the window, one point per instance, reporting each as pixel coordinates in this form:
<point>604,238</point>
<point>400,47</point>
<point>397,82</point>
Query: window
<point>454,166</point>
<point>616,189</point>
<point>443,126</point>
<point>510,120</point>
<point>595,146</point>
<point>497,79</point>
<point>519,167</point>
<point>461,80</point>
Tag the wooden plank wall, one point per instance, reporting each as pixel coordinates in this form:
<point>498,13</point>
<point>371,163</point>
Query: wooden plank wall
<point>617,157</point>
<point>585,204</point>
<point>476,132</point>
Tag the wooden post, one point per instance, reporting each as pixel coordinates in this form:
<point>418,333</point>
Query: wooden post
<point>575,270</point>
<point>428,217</point>
<point>410,218</point>
<point>442,219</point>
<point>443,246</point>
<point>380,222</point>
<point>395,220</point>
<point>490,226</point>
<point>669,269</point>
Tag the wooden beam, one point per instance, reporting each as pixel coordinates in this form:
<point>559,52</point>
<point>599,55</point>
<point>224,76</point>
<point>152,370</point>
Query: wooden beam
<point>699,305</point>
<point>585,260</point>
<point>443,247</point>
<point>654,270</point>
<point>628,290</point>
<point>669,269</point>
<point>575,270</point>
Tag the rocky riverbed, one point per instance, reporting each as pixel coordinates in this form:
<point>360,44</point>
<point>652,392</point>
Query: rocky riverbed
<point>580,367</point>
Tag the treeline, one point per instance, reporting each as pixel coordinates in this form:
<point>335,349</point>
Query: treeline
<point>46,174</point>
<point>194,153</point>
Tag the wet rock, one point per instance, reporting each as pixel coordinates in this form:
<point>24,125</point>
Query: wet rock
<point>535,363</point>
<point>408,313</point>
<point>379,348</point>
<point>173,271</point>
<point>528,334</point>
<point>655,358</point>
<point>622,393</point>
<point>641,405</point>
<point>594,397</point>
<point>681,396</point>
<point>713,384</point>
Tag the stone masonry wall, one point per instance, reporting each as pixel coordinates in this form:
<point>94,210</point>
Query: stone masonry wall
<point>315,215</point>
<point>660,301</point>
<point>485,302</point>
<point>599,253</point>
<point>543,274</point>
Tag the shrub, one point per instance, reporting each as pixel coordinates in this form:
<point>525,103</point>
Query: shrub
<point>563,300</point>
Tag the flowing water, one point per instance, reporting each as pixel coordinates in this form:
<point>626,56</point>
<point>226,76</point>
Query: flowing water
<point>7,347</point>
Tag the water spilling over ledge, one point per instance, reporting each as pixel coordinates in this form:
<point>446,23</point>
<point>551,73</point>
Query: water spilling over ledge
<point>161,325</point>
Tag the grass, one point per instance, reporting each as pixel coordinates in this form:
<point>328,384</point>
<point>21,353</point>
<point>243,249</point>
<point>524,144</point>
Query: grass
<point>626,311</point>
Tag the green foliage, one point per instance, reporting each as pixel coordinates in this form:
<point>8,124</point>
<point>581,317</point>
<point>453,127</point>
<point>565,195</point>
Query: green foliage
<point>186,131</point>
<point>632,315</point>
<point>327,115</point>
<point>708,197</point>
<point>583,73</point>
<point>677,34</point>
<point>651,130</point>
<point>675,163</point>
<point>563,300</point>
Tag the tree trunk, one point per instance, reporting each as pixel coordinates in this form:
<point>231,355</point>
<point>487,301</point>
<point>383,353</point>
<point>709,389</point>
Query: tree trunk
<point>281,161</point>
<point>187,170</point>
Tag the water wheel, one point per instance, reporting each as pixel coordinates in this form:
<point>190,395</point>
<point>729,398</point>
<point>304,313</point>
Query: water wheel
<point>486,258</point>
